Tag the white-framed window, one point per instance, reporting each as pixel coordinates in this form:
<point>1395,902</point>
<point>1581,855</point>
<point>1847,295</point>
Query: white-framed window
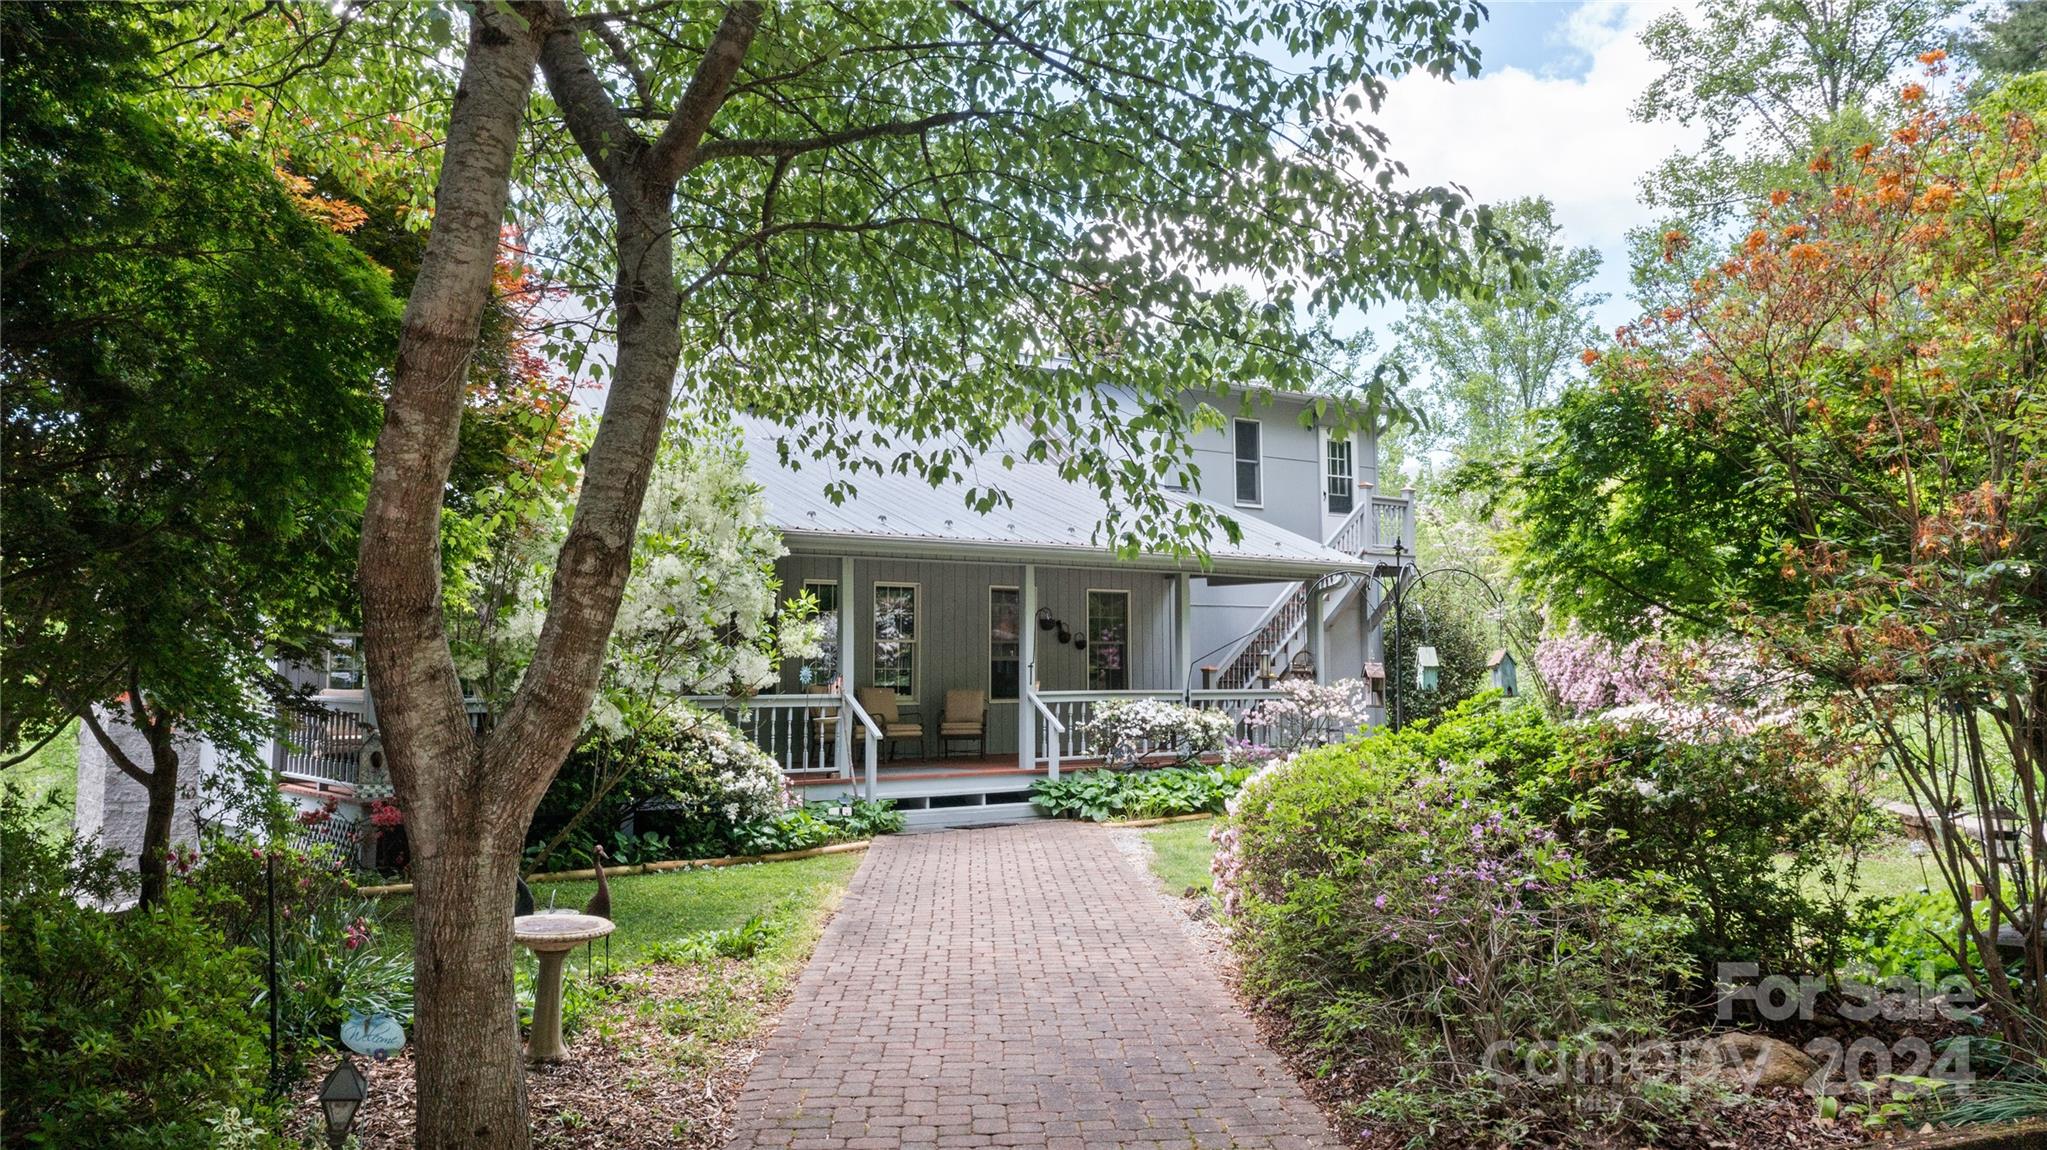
<point>1108,640</point>
<point>343,671</point>
<point>1342,470</point>
<point>895,637</point>
<point>1249,446</point>
<point>823,667</point>
<point>1005,642</point>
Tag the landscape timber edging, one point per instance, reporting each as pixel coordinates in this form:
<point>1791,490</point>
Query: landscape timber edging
<point>1160,822</point>
<point>655,867</point>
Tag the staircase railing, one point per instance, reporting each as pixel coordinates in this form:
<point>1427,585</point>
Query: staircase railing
<point>1359,531</point>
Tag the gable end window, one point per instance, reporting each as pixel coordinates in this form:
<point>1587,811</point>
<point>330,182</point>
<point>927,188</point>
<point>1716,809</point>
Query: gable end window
<point>1342,477</point>
<point>1250,453</point>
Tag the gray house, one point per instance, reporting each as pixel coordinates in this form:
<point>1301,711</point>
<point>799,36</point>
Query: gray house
<point>966,651</point>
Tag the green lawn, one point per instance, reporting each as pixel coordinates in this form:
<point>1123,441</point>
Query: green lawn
<point>50,781</point>
<point>672,905</point>
<point>1180,853</point>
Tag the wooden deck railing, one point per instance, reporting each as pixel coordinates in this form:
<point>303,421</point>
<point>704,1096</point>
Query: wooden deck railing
<point>798,731</point>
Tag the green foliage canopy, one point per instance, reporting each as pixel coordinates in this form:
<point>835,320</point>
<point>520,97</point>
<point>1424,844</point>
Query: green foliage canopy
<point>190,377</point>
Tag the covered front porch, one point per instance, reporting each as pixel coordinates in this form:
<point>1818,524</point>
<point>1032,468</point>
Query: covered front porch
<point>951,685</point>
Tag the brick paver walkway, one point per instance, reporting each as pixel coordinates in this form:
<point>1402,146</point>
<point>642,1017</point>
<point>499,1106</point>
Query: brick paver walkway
<point>1019,986</point>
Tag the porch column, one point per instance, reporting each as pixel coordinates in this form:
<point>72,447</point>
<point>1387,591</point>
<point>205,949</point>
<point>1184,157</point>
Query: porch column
<point>1027,671</point>
<point>1318,634</point>
<point>1183,630</point>
<point>846,665</point>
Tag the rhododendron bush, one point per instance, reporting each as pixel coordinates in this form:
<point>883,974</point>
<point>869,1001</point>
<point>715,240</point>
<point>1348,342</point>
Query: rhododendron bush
<point>1395,910</point>
<point>1306,713</point>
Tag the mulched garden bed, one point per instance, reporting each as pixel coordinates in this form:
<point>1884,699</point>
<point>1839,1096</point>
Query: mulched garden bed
<point>638,1074</point>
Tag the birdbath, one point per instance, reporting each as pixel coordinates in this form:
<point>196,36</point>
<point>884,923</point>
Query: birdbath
<point>551,937</point>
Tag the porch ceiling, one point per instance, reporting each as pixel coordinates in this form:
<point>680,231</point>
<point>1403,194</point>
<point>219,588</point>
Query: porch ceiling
<point>1050,521</point>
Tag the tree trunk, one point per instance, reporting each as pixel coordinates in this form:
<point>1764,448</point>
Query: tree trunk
<point>472,1079</point>
<point>469,798</point>
<point>162,787</point>
<point>471,1085</point>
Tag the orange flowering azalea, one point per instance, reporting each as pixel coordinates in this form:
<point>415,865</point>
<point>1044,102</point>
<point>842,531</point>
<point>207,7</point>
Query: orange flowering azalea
<point>1589,357</point>
<point>1912,93</point>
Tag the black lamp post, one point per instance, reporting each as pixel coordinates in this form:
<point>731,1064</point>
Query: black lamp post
<point>340,1097</point>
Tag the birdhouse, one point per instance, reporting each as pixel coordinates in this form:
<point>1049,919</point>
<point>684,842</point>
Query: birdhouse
<point>1427,668</point>
<point>1501,664</point>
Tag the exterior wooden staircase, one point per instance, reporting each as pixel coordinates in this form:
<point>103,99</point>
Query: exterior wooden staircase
<point>1282,632</point>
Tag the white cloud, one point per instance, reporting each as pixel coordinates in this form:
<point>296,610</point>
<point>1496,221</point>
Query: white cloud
<point>1567,136</point>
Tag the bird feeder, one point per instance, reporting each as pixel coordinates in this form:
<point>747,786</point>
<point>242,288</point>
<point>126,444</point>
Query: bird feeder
<point>1427,668</point>
<point>1501,665</point>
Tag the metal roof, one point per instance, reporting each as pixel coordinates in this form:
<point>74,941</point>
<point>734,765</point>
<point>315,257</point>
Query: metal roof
<point>1050,519</point>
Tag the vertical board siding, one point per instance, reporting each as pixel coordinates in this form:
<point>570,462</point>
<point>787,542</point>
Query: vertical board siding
<point>952,643</point>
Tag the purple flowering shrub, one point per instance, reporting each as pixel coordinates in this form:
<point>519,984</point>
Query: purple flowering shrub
<point>1401,918</point>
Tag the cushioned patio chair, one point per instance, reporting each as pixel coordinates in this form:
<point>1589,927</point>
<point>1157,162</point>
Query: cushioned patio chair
<point>965,719</point>
<point>880,705</point>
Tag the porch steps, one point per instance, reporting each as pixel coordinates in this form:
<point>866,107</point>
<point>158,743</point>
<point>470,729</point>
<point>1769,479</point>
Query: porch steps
<point>933,800</point>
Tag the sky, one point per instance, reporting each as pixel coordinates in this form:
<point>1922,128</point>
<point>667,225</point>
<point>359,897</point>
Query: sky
<point>1548,115</point>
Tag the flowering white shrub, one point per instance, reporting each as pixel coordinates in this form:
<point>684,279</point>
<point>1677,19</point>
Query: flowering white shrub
<point>1127,729</point>
<point>1309,714</point>
<point>706,768</point>
<point>699,614</point>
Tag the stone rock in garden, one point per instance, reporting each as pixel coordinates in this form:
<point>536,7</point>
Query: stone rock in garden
<point>1752,1061</point>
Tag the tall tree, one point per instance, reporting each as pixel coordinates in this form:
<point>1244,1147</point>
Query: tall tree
<point>189,375</point>
<point>876,221</point>
<point>1494,356</point>
<point>1868,364</point>
<point>2012,43</point>
<point>1771,83</point>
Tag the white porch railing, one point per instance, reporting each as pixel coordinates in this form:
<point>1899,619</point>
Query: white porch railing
<point>1074,712</point>
<point>797,731</point>
<point>1065,719</point>
<point>1054,731</point>
<point>324,743</point>
<point>869,745</point>
<point>800,732</point>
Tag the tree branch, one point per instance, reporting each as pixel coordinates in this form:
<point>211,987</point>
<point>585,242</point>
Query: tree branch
<point>113,750</point>
<point>790,148</point>
<point>673,151</point>
<point>600,129</point>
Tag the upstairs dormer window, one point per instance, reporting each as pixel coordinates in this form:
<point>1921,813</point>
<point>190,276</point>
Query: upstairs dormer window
<point>1250,451</point>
